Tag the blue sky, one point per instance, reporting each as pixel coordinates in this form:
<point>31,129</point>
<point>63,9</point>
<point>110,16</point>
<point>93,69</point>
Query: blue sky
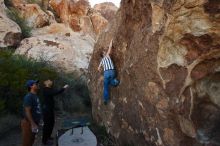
<point>93,2</point>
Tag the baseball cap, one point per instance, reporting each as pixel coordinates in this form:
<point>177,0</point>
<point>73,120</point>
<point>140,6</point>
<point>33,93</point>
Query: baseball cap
<point>29,83</point>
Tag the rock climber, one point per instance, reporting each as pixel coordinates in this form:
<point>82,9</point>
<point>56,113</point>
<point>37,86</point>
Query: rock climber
<point>31,114</point>
<point>109,72</point>
<point>48,110</point>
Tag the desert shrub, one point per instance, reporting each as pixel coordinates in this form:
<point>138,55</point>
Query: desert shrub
<point>76,98</point>
<point>15,70</point>
<point>7,123</point>
<point>15,16</point>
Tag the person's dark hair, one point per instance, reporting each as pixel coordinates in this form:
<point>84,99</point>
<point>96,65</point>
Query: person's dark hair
<point>29,88</point>
<point>101,54</point>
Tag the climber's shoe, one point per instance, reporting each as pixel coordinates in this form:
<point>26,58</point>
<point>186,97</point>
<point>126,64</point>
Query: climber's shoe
<point>119,82</point>
<point>115,82</point>
<point>105,102</point>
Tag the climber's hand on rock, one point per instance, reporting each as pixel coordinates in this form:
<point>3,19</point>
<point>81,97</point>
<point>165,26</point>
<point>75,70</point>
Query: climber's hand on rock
<point>111,41</point>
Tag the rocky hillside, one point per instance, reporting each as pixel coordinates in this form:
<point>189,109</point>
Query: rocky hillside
<point>167,55</point>
<point>61,32</point>
<point>79,16</point>
<point>65,49</point>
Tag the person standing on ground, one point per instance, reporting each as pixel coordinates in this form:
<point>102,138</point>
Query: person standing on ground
<point>48,110</point>
<point>31,114</point>
<point>109,72</point>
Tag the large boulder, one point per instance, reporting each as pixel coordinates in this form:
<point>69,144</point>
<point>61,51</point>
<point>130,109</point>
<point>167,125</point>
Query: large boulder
<point>64,49</point>
<point>10,32</point>
<point>34,16</point>
<point>99,23</point>
<point>107,9</point>
<point>32,13</point>
<point>79,15</point>
<point>167,55</point>
<point>70,11</point>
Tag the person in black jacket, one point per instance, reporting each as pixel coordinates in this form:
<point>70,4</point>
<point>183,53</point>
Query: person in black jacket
<point>48,110</point>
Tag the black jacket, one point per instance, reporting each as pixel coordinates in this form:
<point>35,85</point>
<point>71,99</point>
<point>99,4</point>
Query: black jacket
<point>48,94</point>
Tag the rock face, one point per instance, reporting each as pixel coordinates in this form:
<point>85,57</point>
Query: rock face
<point>107,9</point>
<point>32,13</point>
<point>35,17</point>
<point>10,32</point>
<point>79,16</point>
<point>66,50</point>
<point>167,55</point>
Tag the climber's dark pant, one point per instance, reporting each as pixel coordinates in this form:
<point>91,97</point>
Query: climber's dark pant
<point>49,120</point>
<point>109,79</point>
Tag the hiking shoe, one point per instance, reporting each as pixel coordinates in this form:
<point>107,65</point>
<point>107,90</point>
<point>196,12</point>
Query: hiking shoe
<point>105,102</point>
<point>119,82</point>
<point>116,82</point>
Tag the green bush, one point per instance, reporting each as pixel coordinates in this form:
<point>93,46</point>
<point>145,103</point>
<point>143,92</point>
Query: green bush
<point>15,70</point>
<point>8,122</point>
<point>15,16</point>
<point>76,98</point>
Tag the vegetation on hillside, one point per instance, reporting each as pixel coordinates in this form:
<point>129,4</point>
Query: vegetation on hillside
<point>15,70</point>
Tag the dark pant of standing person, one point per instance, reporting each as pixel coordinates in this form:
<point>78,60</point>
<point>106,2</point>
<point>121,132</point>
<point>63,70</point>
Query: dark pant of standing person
<point>49,120</point>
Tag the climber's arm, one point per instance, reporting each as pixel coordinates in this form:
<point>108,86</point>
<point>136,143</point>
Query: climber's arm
<point>109,48</point>
<point>99,68</point>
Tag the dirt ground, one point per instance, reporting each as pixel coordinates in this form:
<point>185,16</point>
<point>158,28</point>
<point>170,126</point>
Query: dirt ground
<point>13,137</point>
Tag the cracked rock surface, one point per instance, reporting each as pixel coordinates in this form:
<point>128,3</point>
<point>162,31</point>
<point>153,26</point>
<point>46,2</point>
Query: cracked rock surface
<point>167,55</point>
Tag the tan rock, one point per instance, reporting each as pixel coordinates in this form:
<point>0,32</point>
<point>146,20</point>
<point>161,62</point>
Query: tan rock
<point>86,26</point>
<point>79,7</point>
<point>99,23</point>
<point>169,136</point>
<point>17,3</point>
<point>107,9</point>
<point>10,32</point>
<point>163,104</point>
<point>54,28</point>
<point>61,8</point>
<point>70,11</point>
<point>187,127</point>
<point>33,14</point>
<point>158,17</point>
<point>66,50</point>
<point>194,3</point>
<point>51,17</point>
<point>77,13</point>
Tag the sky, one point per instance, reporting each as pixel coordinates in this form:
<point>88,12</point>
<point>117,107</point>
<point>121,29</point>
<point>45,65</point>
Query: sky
<point>93,2</point>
